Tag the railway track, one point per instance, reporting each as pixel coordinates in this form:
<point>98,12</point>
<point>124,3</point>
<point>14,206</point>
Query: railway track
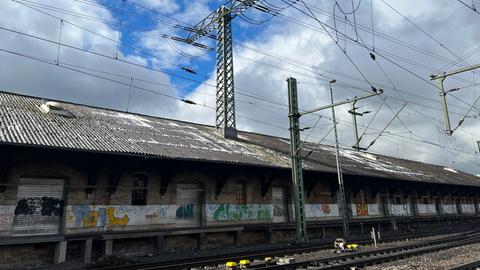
<point>468,266</point>
<point>282,251</point>
<point>378,256</point>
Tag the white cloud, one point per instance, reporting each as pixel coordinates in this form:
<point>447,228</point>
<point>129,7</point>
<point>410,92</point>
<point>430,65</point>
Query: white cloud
<point>316,49</point>
<point>310,50</point>
<point>162,6</point>
<point>39,79</point>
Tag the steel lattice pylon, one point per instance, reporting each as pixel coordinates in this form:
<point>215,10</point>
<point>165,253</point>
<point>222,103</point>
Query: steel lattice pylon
<point>225,118</point>
<point>221,21</point>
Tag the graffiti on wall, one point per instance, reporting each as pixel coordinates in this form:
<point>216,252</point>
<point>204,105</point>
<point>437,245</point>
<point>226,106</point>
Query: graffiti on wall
<point>449,208</point>
<point>365,209</point>
<point>362,209</point>
<point>184,211</point>
<point>88,216</point>
<point>7,214</point>
<point>45,206</point>
<point>399,209</point>
<point>237,212</point>
<point>321,210</point>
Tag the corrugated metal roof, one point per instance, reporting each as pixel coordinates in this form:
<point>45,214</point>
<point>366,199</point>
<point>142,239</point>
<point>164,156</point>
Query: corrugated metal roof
<point>102,130</point>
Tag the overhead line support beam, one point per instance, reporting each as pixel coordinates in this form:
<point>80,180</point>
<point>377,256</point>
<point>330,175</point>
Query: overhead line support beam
<point>443,94</point>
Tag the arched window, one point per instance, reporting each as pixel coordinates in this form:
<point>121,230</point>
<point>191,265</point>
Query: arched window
<point>139,189</point>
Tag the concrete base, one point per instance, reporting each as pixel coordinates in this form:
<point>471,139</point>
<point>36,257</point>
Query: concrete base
<point>60,252</point>
<point>87,251</point>
<point>108,247</point>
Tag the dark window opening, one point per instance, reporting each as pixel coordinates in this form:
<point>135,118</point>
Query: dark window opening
<point>397,200</point>
<point>139,190</point>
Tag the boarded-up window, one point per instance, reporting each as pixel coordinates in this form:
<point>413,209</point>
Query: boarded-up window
<point>240,192</point>
<point>189,205</point>
<point>139,189</point>
<point>39,208</point>
<point>280,204</point>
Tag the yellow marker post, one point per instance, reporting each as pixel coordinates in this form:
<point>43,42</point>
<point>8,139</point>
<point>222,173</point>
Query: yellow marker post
<point>231,265</point>
<point>244,264</point>
<point>352,246</point>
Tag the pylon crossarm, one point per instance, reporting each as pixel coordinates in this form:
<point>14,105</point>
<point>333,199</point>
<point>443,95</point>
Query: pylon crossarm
<point>211,22</point>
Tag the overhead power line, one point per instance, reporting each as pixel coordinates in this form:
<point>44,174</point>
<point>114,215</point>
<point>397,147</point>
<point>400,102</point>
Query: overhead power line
<point>473,8</point>
<point>162,59</point>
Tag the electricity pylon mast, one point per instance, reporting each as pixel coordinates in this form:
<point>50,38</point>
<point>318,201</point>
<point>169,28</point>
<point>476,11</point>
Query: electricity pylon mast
<point>221,21</point>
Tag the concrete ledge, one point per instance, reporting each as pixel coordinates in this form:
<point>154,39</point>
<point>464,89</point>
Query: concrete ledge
<point>19,240</point>
<point>127,234</point>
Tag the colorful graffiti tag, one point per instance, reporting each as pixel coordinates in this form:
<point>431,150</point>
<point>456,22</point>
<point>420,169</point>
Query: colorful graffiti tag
<point>184,211</point>
<point>238,212</point>
<point>88,216</point>
<point>362,209</point>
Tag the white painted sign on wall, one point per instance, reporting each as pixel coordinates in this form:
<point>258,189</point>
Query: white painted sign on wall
<point>321,210</point>
<point>426,209</point>
<point>468,208</point>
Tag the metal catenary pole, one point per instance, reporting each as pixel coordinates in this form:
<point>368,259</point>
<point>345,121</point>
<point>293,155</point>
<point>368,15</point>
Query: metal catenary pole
<point>297,173</point>
<point>341,187</point>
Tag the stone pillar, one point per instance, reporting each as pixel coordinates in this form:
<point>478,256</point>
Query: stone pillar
<point>236,238</point>
<point>60,252</point>
<point>108,247</point>
<point>159,244</point>
<point>87,251</point>
<point>201,240</point>
<point>268,235</point>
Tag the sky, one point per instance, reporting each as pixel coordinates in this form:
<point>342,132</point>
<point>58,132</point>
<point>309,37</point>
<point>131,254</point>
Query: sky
<point>120,55</point>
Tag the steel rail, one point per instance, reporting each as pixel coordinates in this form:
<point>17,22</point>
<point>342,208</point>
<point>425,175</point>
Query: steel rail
<point>361,259</point>
<point>257,254</point>
<point>468,266</point>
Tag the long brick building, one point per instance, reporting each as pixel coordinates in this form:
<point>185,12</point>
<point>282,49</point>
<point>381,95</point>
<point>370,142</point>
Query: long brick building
<point>78,182</point>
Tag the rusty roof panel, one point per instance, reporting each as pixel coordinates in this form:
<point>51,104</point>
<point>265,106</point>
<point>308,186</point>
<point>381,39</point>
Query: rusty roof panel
<point>103,130</point>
